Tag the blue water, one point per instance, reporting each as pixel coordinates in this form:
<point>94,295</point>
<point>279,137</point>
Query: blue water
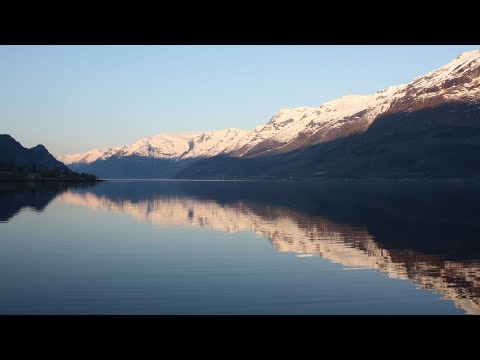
<point>146,247</point>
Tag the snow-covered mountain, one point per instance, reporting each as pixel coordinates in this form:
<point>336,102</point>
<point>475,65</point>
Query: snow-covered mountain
<point>291,129</point>
<point>169,146</point>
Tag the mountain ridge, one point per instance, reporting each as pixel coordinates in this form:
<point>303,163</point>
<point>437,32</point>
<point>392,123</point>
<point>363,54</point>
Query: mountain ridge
<point>292,129</point>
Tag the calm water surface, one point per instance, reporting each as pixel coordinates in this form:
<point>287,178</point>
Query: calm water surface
<point>166,247</point>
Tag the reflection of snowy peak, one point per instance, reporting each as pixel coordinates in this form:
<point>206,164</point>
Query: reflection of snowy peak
<point>290,129</point>
<point>307,235</point>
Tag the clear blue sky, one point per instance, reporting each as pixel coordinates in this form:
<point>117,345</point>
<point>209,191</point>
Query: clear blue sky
<point>75,98</point>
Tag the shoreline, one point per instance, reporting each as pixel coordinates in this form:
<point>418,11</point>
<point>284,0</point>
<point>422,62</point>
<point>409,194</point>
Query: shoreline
<point>51,180</point>
<point>387,180</point>
<point>382,180</point>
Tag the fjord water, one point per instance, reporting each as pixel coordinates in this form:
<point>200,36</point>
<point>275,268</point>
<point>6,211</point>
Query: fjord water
<point>285,247</point>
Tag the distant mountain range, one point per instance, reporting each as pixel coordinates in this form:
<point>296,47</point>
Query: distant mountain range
<point>426,128</point>
<point>20,163</point>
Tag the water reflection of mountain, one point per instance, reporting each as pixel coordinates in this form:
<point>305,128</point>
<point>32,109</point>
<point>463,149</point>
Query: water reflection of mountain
<point>427,233</point>
<point>14,196</point>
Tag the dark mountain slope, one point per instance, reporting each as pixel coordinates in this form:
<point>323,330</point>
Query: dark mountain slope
<point>442,141</point>
<point>12,153</point>
<point>19,163</point>
<point>133,167</point>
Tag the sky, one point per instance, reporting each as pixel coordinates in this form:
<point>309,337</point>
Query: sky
<point>75,98</point>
